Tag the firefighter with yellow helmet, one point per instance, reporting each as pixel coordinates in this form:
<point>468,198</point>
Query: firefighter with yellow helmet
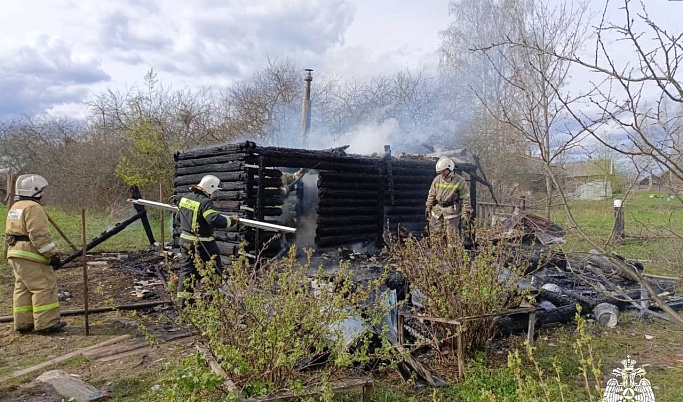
<point>32,254</point>
<point>448,200</point>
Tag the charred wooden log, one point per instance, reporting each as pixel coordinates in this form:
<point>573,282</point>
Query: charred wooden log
<point>417,209</point>
<point>347,185</point>
<point>341,166</point>
<point>345,220</point>
<point>414,186</point>
<point>404,186</point>
<point>227,248</point>
<point>346,178</point>
<point>227,205</point>
<point>192,179</point>
<point>411,195</point>
<point>346,211</point>
<point>407,218</point>
<point>209,160</point>
<point>345,230</point>
<point>520,322</point>
<point>181,191</point>
<point>329,241</point>
<point>302,157</point>
<point>269,172</point>
<point>273,201</point>
<point>414,202</point>
<point>335,193</point>
<point>269,182</point>
<point>345,202</point>
<point>223,149</point>
<point>343,177</point>
<point>216,167</point>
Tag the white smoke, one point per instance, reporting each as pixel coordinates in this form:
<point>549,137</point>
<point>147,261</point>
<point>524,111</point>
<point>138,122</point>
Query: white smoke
<point>307,224</point>
<point>370,138</point>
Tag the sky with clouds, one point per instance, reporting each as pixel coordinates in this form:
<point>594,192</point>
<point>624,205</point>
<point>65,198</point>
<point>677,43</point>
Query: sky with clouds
<point>54,53</point>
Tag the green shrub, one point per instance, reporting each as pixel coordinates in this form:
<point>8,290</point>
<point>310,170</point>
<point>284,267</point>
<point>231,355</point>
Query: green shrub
<point>270,331</point>
<point>462,283</point>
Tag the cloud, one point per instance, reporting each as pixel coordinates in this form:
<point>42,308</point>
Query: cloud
<point>43,72</point>
<point>219,38</point>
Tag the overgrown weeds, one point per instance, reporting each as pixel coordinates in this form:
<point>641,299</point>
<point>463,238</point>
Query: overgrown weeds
<point>537,385</point>
<point>279,329</point>
<point>460,282</point>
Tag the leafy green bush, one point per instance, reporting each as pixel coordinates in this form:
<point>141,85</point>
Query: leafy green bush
<point>270,330</point>
<point>463,283</point>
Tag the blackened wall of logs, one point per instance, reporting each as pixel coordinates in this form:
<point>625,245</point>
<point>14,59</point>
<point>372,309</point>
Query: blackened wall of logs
<point>357,195</point>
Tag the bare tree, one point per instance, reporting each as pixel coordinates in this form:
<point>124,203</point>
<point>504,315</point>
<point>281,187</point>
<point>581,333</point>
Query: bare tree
<point>638,102</point>
<point>523,93</point>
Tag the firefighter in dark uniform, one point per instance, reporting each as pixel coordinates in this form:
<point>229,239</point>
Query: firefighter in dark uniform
<point>197,220</point>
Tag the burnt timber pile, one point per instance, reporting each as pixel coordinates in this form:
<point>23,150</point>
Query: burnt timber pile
<point>355,196</point>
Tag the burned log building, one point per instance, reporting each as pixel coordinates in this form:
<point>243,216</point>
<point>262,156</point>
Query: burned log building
<point>345,199</point>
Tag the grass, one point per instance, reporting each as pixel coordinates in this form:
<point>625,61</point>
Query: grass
<point>651,225</point>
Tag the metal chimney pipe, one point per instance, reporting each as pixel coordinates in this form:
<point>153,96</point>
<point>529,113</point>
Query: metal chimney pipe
<point>306,108</point>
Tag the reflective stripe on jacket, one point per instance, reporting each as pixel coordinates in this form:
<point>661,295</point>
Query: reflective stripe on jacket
<point>197,218</point>
<point>28,218</point>
<point>448,195</point>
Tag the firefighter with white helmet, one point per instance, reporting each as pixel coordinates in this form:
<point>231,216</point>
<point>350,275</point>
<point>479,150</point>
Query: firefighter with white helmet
<point>448,199</point>
<point>32,254</point>
<point>197,220</point>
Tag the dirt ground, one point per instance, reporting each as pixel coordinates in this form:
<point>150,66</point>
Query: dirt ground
<point>110,283</point>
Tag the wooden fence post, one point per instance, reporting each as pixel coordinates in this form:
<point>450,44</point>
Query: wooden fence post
<point>85,273</point>
<point>619,235</point>
<point>163,221</point>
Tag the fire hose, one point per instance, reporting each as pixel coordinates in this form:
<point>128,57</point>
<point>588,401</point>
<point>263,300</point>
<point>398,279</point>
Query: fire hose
<point>246,222</point>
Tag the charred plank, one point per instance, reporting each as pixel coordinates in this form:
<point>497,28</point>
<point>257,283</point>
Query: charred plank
<point>209,160</point>
<point>328,241</point>
<point>352,210</point>
<point>326,230</point>
<point>345,220</point>
<point>193,179</point>
<point>215,150</point>
<point>205,169</point>
<point>345,202</point>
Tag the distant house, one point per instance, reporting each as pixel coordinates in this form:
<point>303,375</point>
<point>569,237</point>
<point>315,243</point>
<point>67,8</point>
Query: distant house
<point>594,190</point>
<point>578,173</point>
<point>663,181</point>
<point>572,175</point>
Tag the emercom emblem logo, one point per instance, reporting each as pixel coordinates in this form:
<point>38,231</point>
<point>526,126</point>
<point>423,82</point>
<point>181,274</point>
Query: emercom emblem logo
<point>628,389</point>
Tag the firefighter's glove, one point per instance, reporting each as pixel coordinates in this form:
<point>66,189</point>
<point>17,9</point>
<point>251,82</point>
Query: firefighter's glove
<point>55,260</point>
<point>234,219</point>
<point>428,213</point>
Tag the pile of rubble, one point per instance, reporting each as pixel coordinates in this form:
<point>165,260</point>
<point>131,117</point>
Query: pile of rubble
<point>595,282</point>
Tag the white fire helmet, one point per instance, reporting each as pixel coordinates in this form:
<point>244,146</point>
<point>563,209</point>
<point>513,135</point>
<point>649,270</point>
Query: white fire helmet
<point>444,163</point>
<point>210,184</point>
<point>30,185</point>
